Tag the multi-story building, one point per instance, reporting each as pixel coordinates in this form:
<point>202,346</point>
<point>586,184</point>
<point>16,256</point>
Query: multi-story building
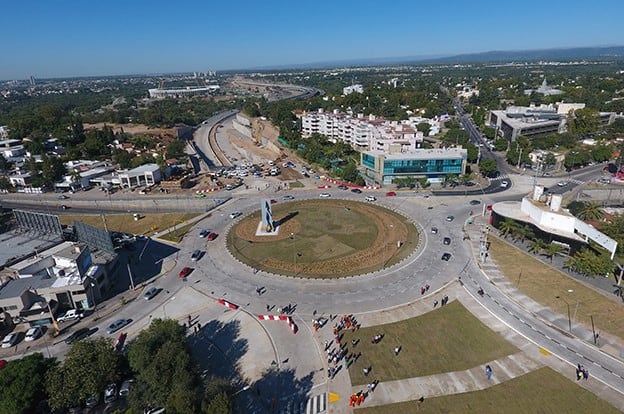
<point>434,164</point>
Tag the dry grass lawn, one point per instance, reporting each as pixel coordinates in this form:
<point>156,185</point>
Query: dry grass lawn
<point>544,284</point>
<point>540,391</point>
<point>148,225</point>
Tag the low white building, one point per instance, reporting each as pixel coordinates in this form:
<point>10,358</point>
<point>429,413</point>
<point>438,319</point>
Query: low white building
<point>357,88</point>
<point>144,175</point>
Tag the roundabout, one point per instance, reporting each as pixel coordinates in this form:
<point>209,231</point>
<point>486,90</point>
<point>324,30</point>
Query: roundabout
<point>324,239</point>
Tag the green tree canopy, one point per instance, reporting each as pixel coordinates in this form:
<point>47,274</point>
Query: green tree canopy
<point>22,384</point>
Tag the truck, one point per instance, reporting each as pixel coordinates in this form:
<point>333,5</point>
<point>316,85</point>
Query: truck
<point>70,315</point>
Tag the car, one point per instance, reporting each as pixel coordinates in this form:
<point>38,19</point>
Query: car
<point>273,201</point>
<point>324,195</point>
<point>70,315</point>
<point>200,195</point>
<point>77,335</point>
<point>446,241</point>
<point>33,333</point>
<point>434,230</point>
<point>356,191</point>
<point>64,207</point>
<point>562,183</point>
<point>63,197</point>
<point>288,197</point>
<point>10,340</point>
<point>212,236</point>
<point>547,174</point>
<point>450,218</point>
<point>475,202</point>
<point>504,184</point>
<point>125,388</point>
<point>150,293</point>
<point>92,401</point>
<point>343,187</point>
<point>117,325</point>
<point>185,272</point>
<point>110,393</point>
<point>390,194</point>
<point>196,255</point>
<point>235,214</point>
<point>371,198</point>
<point>204,233</point>
<point>324,186</point>
<point>446,257</point>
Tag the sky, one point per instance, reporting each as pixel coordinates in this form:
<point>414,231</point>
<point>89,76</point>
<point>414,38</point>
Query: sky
<point>67,38</point>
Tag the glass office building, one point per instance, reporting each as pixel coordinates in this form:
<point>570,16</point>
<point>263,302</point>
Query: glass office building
<point>434,164</point>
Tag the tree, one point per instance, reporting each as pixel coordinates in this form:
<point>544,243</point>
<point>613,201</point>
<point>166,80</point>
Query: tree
<point>552,250</point>
<point>488,167</point>
<point>508,227</point>
<point>175,149</point>
<point>424,127</point>
<point>22,383</point>
<point>163,348</point>
<point>501,144</point>
<point>423,182</point>
<point>216,399</point>
<point>591,212</point>
<point>536,246</point>
<point>89,366</point>
<point>549,160</point>
<point>584,120</point>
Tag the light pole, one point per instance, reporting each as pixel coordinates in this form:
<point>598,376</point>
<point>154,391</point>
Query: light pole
<point>165,305</point>
<point>569,319</point>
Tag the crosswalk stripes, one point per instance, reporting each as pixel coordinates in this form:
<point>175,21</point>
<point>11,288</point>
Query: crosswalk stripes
<point>500,177</point>
<point>313,405</point>
<point>575,181</point>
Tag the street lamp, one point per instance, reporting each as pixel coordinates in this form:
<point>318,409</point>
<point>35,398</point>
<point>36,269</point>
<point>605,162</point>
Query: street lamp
<point>165,305</point>
<point>569,319</point>
<point>245,388</point>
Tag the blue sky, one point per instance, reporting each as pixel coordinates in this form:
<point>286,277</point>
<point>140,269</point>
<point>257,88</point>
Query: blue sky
<point>109,37</point>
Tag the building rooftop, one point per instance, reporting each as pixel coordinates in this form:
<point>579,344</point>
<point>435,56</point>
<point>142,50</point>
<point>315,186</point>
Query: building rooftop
<point>16,287</point>
<point>423,154</point>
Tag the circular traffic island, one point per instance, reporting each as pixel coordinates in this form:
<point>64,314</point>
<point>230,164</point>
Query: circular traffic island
<point>324,239</point>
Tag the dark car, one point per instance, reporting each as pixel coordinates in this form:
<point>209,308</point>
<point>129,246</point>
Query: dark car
<point>77,336</point>
<point>356,191</point>
<point>474,202</point>
<point>446,257</point>
<point>117,325</point>
<point>446,241</point>
<point>343,187</point>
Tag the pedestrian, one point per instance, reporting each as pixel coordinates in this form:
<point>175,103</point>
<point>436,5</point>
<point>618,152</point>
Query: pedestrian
<point>435,303</point>
<point>422,290</point>
<point>488,372</point>
<point>579,375</point>
<point>198,326</point>
<point>427,288</point>
<point>268,308</point>
<point>585,374</point>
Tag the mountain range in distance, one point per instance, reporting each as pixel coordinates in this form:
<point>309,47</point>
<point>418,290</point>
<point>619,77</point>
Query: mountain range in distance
<point>553,54</point>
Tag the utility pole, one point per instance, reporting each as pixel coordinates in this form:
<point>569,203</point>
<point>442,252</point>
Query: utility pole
<point>130,274</point>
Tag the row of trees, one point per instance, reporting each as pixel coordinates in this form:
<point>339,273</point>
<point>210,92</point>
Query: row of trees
<point>159,359</point>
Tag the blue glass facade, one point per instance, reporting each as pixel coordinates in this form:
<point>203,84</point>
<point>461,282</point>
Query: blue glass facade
<point>368,160</point>
<point>431,168</point>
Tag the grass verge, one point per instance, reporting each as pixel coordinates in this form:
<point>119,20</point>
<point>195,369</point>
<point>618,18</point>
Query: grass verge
<point>544,284</point>
<point>148,224</point>
<point>540,391</point>
<point>447,339</point>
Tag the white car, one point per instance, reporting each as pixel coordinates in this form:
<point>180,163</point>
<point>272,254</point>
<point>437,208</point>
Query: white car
<point>235,214</point>
<point>33,333</point>
<point>69,316</point>
<point>9,340</point>
<point>504,184</point>
<point>324,195</point>
<point>371,198</point>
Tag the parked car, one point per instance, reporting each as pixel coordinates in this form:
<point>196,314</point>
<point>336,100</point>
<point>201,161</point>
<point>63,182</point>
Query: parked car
<point>10,340</point>
<point>504,184</point>
<point>446,241</point>
<point>446,257</point>
<point>434,230</point>
<point>33,333</point>
<point>235,214</point>
<point>77,335</point>
<point>92,401</point>
<point>475,202</point>
<point>117,325</point>
<point>150,293</point>
<point>195,256</point>
<point>204,233</point>
<point>110,394</point>
<point>125,388</point>
<point>70,315</point>
<point>450,218</point>
<point>390,194</point>
<point>343,187</point>
<point>185,272</point>
<point>371,198</point>
<point>288,197</point>
<point>212,236</point>
<point>324,195</point>
<point>356,191</point>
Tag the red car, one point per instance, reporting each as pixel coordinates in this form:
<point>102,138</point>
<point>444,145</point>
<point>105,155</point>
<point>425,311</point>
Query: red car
<point>390,194</point>
<point>212,236</point>
<point>185,272</point>
<point>273,201</point>
<point>324,186</point>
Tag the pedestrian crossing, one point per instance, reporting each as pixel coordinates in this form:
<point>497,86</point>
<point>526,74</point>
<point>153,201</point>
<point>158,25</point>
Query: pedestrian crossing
<point>575,181</point>
<point>500,177</point>
<point>314,405</point>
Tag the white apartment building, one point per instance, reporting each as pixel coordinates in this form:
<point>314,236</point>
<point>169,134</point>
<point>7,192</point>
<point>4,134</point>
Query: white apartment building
<point>363,133</point>
<point>353,88</point>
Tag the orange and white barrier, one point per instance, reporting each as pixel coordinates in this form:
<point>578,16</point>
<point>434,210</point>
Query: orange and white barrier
<point>227,304</point>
